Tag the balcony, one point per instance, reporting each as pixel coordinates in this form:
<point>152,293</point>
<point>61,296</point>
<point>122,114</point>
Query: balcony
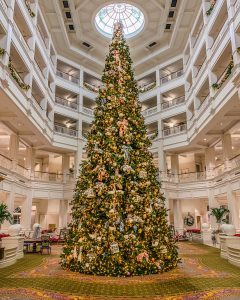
<point>67,77</point>
<point>91,87</point>
<point>171,76</point>
<point>66,103</point>
<point>185,177</point>
<point>65,130</point>
<point>48,176</point>
<point>152,134</point>
<point>88,111</point>
<point>17,76</point>
<point>173,102</point>
<point>175,130</point>
<point>5,162</point>
<point>147,87</point>
<point>150,111</point>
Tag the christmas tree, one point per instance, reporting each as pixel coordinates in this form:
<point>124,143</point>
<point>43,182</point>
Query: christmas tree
<point>119,225</point>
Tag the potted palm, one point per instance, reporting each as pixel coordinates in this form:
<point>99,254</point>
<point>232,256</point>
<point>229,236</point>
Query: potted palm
<point>5,215</point>
<point>221,216</point>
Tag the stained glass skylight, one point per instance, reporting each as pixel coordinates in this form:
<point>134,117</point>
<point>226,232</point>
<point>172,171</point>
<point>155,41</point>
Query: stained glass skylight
<point>130,16</point>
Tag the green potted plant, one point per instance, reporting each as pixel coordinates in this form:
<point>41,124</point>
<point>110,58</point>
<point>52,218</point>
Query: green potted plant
<point>220,214</point>
<point>5,215</point>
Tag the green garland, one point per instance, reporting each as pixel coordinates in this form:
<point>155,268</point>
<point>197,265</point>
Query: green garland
<point>17,78</point>
<point>148,88</point>
<point>2,51</point>
<point>228,72</point>
<point>90,87</point>
<point>209,11</point>
<point>31,13</point>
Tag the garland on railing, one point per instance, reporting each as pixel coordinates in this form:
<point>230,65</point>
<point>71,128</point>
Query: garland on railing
<point>209,11</point>
<point>90,87</point>
<point>228,72</point>
<point>147,88</point>
<point>2,51</point>
<point>31,13</point>
<point>17,78</point>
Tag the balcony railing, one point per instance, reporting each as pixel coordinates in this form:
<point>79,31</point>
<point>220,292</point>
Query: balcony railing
<point>68,77</point>
<point>209,11</point>
<point>43,38</point>
<point>152,134</point>
<point>91,87</point>
<point>150,111</point>
<point>67,103</point>
<point>175,129</point>
<point>204,104</point>
<point>16,76</point>
<point>88,111</point>
<point>48,176</point>
<point>22,171</point>
<point>185,177</point>
<point>147,87</point>
<point>224,76</point>
<point>198,35</point>
<point>5,162</point>
<point>171,76</point>
<point>31,13</point>
<point>173,102</point>
<point>65,130</point>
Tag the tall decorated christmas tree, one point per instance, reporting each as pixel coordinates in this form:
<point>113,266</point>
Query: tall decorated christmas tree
<point>119,225</point>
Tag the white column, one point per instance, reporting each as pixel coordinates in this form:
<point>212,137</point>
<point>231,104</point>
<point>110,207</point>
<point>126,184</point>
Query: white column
<point>9,200</point>
<point>233,206</point>
<point>212,204</point>
<point>63,211</point>
<point>65,166</point>
<point>30,159</point>
<point>210,161</point>
<point>27,212</point>
<point>13,149</point>
<point>177,214</point>
<point>227,150</point>
<point>175,164</point>
<point>161,158</point>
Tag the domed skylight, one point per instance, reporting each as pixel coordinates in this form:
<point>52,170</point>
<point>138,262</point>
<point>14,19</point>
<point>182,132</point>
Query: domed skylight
<point>130,16</point>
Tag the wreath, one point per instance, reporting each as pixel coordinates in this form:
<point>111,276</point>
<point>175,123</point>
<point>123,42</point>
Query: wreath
<point>189,220</point>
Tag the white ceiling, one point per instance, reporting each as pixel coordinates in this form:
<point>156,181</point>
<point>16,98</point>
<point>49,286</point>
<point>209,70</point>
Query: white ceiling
<point>169,43</point>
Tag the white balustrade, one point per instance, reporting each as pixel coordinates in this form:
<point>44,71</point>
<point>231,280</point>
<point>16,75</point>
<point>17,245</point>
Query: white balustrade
<point>67,103</point>
<point>4,6</point>
<point>88,111</point>
<point>203,105</point>
<point>5,162</point>
<point>48,176</point>
<point>171,76</point>
<point>65,130</point>
<point>175,129</point>
<point>173,102</point>
<point>22,171</point>
<point>150,111</point>
<point>67,77</point>
<point>91,87</point>
<point>147,87</point>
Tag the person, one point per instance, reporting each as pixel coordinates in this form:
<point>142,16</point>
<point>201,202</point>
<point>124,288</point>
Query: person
<point>214,238</point>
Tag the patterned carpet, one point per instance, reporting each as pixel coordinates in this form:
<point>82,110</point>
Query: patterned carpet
<point>201,275</point>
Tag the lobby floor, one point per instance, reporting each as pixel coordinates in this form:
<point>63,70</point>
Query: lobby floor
<point>201,275</point>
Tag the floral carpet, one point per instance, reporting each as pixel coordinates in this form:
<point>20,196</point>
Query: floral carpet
<point>201,275</point>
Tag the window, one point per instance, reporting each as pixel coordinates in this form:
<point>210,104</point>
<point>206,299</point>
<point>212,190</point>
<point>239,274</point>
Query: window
<point>168,26</point>
<point>171,14</point>
<point>65,4</point>
<point>130,16</point>
<point>68,15</point>
<point>71,27</point>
